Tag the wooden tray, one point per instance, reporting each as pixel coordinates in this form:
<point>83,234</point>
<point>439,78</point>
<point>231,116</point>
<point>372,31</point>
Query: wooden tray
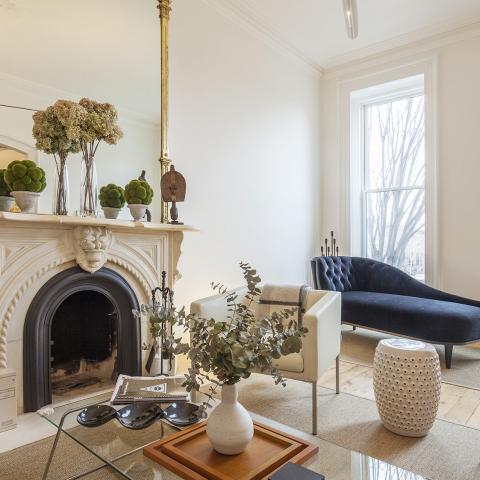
<point>189,454</point>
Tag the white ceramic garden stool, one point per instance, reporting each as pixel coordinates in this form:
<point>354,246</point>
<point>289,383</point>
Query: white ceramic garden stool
<point>407,382</point>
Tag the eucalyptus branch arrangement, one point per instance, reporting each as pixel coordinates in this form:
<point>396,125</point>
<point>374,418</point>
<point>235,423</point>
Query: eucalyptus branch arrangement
<point>225,351</point>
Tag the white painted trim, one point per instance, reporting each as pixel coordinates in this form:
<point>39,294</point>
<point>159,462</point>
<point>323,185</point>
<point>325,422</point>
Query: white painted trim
<point>28,149</point>
<point>50,94</point>
<point>428,67</point>
<point>432,230</point>
<point>245,16</point>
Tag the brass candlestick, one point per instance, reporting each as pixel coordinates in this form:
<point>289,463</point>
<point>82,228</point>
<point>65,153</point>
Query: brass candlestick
<point>164,8</point>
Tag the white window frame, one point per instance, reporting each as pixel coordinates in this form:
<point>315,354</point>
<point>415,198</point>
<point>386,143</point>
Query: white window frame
<point>360,99</point>
<point>349,175</point>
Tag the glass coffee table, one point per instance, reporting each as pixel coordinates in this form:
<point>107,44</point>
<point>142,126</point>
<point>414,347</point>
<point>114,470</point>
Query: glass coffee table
<point>117,452</point>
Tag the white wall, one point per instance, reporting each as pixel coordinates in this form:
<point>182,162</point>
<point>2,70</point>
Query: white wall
<point>458,150</point>
<point>115,164</point>
<point>244,132</point>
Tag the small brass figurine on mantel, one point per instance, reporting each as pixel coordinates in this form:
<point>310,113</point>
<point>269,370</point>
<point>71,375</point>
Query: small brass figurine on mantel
<point>173,187</point>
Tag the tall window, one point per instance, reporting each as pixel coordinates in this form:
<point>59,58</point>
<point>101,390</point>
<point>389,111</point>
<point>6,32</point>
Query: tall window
<point>393,179</point>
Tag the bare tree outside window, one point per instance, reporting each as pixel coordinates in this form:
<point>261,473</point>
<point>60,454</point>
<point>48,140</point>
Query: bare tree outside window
<point>394,183</point>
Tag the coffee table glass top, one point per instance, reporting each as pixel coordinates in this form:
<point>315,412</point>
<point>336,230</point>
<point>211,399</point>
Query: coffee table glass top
<point>123,449</point>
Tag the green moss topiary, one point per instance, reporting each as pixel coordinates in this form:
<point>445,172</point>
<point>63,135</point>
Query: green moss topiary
<point>4,188</point>
<point>112,196</point>
<point>138,192</point>
<point>25,176</point>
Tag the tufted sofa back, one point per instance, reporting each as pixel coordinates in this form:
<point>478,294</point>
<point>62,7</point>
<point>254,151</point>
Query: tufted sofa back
<point>344,274</point>
<point>336,273</point>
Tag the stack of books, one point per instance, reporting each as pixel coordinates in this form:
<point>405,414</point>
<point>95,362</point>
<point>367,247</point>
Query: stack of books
<point>292,471</point>
<point>149,389</point>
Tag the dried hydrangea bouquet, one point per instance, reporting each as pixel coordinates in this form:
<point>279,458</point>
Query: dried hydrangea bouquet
<point>223,351</point>
<point>99,123</point>
<point>57,131</point>
<point>70,127</point>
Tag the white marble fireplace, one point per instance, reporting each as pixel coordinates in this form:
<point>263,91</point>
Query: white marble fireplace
<point>36,248</point>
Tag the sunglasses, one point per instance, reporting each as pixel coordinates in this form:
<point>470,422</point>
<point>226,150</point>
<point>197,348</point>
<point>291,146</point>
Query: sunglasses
<point>140,415</point>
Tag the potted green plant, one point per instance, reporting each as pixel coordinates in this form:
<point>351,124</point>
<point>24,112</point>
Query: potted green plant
<point>138,194</point>
<point>112,200</point>
<point>26,180</point>
<point>222,352</point>
<point>6,200</point>
<point>56,131</point>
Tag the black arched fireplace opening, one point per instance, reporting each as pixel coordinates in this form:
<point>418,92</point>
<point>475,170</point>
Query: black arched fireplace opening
<point>75,318</point>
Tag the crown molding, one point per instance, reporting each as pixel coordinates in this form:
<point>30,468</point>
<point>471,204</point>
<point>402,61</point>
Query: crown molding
<point>417,42</point>
<point>245,17</point>
<point>48,95</point>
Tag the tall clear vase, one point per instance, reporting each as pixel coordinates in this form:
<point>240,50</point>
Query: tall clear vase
<point>61,194</point>
<point>88,188</point>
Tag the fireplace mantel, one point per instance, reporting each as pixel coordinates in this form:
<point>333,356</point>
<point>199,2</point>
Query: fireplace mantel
<point>35,248</point>
<point>21,219</point>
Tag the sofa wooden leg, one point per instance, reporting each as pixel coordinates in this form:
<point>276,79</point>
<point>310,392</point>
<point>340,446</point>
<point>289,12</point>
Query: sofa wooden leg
<point>314,408</point>
<point>448,355</point>
<point>354,327</point>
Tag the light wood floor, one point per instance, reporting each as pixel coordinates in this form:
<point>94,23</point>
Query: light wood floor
<point>457,404</point>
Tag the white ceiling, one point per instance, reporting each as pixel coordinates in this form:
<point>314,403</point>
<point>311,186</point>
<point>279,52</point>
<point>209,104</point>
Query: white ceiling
<point>109,49</point>
<point>316,28</point>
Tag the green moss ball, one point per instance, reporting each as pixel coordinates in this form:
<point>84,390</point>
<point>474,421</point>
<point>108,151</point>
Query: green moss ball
<point>112,196</point>
<point>138,192</point>
<point>4,188</point>
<point>25,176</point>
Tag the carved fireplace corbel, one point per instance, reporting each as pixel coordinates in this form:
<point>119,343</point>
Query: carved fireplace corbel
<point>91,245</point>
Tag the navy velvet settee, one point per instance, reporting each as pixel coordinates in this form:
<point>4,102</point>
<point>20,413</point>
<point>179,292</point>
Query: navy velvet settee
<point>380,297</point>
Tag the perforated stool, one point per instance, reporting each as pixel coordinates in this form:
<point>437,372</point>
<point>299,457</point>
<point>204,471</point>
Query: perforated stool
<point>407,382</point>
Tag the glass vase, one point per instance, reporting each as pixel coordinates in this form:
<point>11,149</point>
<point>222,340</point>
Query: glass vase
<point>88,189</point>
<point>60,189</point>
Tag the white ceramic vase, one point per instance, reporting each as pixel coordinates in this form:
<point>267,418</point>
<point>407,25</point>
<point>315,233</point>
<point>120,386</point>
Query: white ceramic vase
<point>138,210</point>
<point>229,426</point>
<point>111,212</point>
<point>27,201</point>
<point>6,204</point>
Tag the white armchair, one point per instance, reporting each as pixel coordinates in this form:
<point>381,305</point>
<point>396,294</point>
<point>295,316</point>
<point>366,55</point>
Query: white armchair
<point>321,345</point>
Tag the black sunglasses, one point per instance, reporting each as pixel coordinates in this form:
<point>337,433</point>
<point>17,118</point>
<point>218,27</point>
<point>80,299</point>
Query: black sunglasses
<point>140,415</point>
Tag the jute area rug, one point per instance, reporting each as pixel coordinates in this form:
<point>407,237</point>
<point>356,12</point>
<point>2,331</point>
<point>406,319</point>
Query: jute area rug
<point>359,347</point>
<point>449,452</point>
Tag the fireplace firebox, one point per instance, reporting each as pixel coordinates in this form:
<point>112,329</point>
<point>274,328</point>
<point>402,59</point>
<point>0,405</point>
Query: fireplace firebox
<point>83,345</point>
<point>79,331</point>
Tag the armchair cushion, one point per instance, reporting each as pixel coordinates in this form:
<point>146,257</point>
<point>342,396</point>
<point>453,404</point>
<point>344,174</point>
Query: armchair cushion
<point>291,363</point>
